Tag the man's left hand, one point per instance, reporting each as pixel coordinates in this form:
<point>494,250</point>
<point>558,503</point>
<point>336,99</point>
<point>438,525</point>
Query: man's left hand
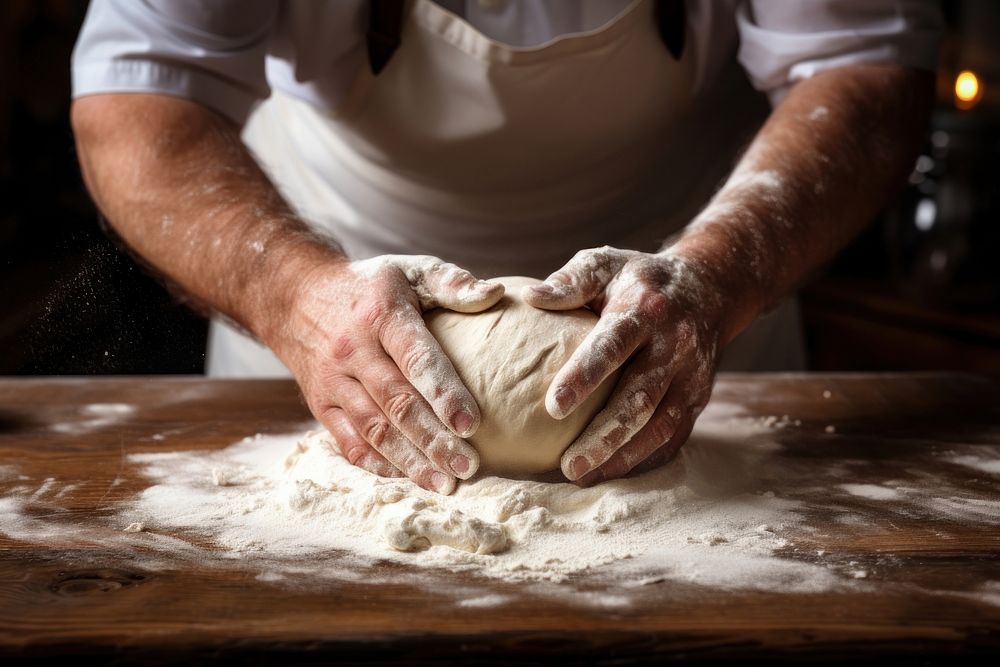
<point>661,317</point>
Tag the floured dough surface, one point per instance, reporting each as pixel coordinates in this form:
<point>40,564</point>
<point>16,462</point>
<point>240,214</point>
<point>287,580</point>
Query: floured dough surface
<point>507,357</point>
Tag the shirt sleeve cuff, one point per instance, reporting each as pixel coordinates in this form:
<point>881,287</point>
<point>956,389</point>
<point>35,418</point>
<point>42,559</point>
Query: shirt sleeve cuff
<point>148,76</point>
<point>776,59</point>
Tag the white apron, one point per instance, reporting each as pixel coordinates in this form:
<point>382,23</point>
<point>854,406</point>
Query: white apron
<point>505,160</point>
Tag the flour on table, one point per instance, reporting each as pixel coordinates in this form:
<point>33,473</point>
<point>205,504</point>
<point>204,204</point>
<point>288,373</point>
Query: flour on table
<point>294,502</point>
<point>519,529</point>
<point>734,511</point>
<point>95,416</point>
<point>987,464</point>
<point>872,491</point>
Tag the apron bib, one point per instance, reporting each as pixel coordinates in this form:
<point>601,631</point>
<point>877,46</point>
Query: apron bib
<point>503,160</point>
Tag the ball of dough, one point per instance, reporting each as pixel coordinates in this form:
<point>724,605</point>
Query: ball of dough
<point>507,357</point>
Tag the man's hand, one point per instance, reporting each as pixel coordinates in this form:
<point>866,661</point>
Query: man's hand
<point>177,184</point>
<point>661,317</point>
<point>373,374</point>
<point>814,175</point>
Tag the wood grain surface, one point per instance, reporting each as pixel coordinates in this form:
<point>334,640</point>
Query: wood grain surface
<point>920,602</point>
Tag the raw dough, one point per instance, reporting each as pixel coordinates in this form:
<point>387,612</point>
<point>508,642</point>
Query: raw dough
<point>507,356</point>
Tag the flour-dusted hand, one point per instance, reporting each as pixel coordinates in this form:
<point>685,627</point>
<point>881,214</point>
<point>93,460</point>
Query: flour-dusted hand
<point>374,376</point>
<point>661,317</point>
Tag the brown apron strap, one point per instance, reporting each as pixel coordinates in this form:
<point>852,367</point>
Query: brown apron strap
<point>385,23</point>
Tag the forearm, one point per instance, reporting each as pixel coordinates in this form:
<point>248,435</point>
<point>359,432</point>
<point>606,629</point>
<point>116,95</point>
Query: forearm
<point>176,183</point>
<point>816,173</point>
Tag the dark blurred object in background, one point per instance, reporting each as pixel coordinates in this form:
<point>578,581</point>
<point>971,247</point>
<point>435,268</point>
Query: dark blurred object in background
<point>919,291</point>
<point>70,302</point>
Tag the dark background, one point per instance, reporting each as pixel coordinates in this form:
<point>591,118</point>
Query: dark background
<point>920,290</point>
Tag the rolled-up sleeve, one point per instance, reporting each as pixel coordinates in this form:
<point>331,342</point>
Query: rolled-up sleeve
<point>212,52</point>
<point>782,42</point>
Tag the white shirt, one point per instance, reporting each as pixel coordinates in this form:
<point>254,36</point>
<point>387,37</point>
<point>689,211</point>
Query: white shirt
<point>229,54</point>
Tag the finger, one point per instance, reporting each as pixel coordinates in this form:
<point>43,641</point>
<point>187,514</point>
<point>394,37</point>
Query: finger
<point>577,283</point>
<point>353,447</point>
<point>655,443</point>
<point>608,345</point>
<point>669,450</point>
<point>634,402</point>
<point>408,412</point>
<point>414,463</point>
<point>374,427</point>
<point>441,284</point>
<point>425,365</point>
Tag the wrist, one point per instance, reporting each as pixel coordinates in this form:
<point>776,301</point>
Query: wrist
<point>725,287</point>
<point>293,274</point>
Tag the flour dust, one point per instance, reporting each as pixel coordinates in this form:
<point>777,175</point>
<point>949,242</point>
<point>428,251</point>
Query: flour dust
<point>734,511</point>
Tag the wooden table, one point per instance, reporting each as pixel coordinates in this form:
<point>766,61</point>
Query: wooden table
<point>57,600</point>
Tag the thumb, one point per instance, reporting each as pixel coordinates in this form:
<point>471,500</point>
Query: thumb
<point>578,282</point>
<point>441,284</point>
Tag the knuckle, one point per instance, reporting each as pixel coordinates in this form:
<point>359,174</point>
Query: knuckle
<point>613,346</point>
<point>561,277</point>
<point>643,402</point>
<point>416,359</point>
<point>612,440</point>
<point>343,348</point>
<point>654,302</point>
<point>630,458</point>
<point>329,416</point>
<point>686,337</point>
<point>433,270</point>
<point>374,313</point>
<point>374,430</point>
<point>649,269</point>
<point>451,276</point>
<point>400,406</point>
<point>355,455</point>
<point>603,250</point>
<point>437,449</point>
<point>589,256</point>
<point>660,430</point>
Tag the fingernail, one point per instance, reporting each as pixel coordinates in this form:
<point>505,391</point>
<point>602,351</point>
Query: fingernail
<point>543,288</point>
<point>441,482</point>
<point>462,422</point>
<point>580,466</point>
<point>460,464</point>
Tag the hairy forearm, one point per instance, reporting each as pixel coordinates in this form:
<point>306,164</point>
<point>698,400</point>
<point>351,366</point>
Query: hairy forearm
<point>814,176</point>
<point>178,186</point>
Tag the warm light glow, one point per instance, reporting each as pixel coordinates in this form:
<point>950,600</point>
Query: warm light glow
<point>967,89</point>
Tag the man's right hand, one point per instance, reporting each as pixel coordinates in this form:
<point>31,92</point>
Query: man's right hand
<point>178,186</point>
<point>354,336</point>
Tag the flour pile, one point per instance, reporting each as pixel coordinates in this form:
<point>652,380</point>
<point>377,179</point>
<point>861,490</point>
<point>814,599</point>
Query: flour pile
<point>691,520</point>
<point>736,510</point>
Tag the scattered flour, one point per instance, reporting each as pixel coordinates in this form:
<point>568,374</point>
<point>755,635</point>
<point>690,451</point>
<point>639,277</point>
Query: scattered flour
<point>727,513</point>
<point>872,491</point>
<point>107,410</point>
<point>298,500</point>
<point>989,592</point>
<point>989,465</point>
<point>95,416</point>
<point>484,601</point>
